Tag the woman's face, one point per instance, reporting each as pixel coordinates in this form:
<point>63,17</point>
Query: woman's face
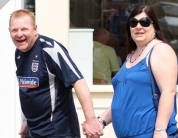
<point>142,31</point>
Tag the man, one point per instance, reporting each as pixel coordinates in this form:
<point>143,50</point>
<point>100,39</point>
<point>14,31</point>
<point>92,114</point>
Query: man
<point>105,62</point>
<point>46,75</point>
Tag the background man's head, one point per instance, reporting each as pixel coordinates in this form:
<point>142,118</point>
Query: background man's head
<point>101,35</point>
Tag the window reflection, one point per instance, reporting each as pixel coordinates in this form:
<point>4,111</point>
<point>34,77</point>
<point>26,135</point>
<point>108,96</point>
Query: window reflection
<point>165,27</point>
<point>113,14</point>
<point>85,13</point>
<point>171,16</point>
<point>110,14</point>
<point>29,4</point>
<point>105,61</point>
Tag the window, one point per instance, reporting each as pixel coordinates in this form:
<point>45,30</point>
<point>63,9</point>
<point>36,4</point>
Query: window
<point>170,9</point>
<point>113,14</point>
<point>168,22</point>
<point>29,4</point>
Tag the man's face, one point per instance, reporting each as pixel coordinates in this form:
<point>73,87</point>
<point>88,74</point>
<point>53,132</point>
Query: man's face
<point>23,33</point>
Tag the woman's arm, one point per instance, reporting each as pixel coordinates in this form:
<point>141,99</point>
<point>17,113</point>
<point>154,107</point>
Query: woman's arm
<point>164,68</point>
<point>105,117</point>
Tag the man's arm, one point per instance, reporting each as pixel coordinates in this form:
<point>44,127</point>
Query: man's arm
<point>23,129</point>
<point>91,124</point>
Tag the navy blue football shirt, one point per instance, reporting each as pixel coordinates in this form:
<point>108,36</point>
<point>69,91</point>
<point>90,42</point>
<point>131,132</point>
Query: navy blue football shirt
<point>45,75</point>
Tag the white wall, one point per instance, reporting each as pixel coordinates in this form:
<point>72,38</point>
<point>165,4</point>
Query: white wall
<point>52,18</point>
<point>9,102</point>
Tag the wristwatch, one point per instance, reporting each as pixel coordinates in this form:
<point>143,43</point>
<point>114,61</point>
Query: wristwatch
<point>159,129</point>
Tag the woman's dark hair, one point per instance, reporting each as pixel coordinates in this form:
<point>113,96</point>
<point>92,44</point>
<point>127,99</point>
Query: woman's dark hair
<point>130,44</point>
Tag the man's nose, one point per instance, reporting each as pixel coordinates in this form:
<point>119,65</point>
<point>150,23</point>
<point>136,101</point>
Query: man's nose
<point>19,33</point>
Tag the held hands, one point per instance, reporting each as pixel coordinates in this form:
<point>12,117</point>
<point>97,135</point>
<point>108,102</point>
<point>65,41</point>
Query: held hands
<point>92,128</point>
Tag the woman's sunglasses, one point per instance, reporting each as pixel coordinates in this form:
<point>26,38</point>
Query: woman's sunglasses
<point>145,22</point>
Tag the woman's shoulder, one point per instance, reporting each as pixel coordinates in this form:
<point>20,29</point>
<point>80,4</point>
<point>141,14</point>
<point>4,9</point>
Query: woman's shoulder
<point>163,51</point>
<point>161,46</point>
<point>159,42</point>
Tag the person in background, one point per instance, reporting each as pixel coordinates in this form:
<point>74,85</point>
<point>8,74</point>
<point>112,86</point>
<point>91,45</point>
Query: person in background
<point>132,112</point>
<point>114,43</point>
<point>105,62</point>
<point>118,20</point>
<point>46,75</point>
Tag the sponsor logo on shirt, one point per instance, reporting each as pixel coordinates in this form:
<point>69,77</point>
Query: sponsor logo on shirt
<point>35,65</point>
<point>28,82</point>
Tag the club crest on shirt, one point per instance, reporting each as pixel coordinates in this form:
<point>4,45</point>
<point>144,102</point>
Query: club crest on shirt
<point>34,66</point>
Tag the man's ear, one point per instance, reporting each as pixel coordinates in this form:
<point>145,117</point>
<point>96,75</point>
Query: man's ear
<point>9,31</point>
<point>35,27</point>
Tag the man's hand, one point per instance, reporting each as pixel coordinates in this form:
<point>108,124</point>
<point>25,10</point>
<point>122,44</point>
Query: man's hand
<point>92,128</point>
<point>23,130</point>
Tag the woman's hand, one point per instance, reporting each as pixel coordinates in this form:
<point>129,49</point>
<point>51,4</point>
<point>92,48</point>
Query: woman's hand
<point>92,131</point>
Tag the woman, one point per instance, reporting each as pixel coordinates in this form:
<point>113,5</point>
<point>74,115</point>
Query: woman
<point>132,112</point>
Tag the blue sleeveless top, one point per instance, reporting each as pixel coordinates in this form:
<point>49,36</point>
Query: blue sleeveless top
<point>132,109</point>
